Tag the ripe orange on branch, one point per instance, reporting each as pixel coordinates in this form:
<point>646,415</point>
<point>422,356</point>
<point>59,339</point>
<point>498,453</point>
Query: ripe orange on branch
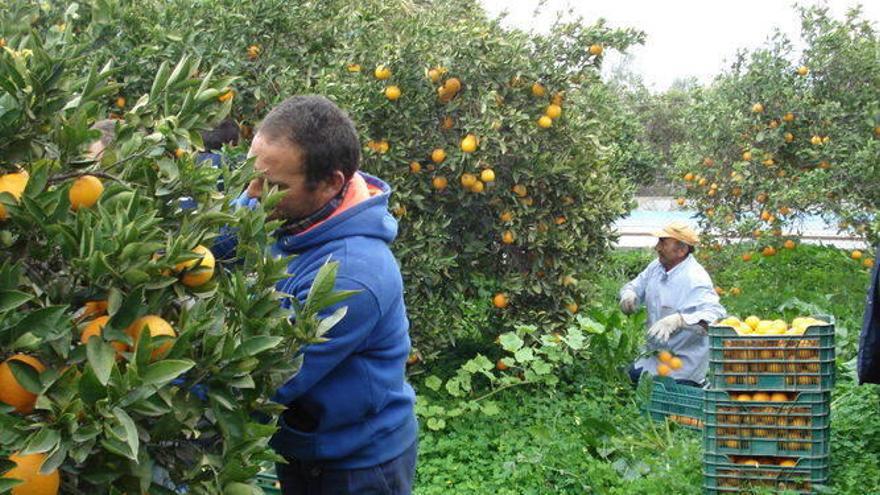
<point>85,191</point>
<point>11,391</point>
<point>27,469</point>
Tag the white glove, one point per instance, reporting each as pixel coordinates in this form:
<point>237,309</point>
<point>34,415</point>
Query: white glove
<point>629,302</point>
<point>665,327</point>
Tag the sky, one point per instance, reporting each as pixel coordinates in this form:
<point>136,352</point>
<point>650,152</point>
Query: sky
<point>685,38</point>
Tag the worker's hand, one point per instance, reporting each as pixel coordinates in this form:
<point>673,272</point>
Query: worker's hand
<point>665,327</point>
<point>629,302</point>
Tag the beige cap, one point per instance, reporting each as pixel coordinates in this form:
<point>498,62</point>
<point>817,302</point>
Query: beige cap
<point>681,231</point>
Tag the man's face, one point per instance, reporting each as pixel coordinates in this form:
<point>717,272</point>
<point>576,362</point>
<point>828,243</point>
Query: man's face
<point>281,163</point>
<point>670,251</point>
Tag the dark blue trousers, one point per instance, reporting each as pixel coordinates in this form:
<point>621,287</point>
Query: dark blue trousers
<point>394,477</point>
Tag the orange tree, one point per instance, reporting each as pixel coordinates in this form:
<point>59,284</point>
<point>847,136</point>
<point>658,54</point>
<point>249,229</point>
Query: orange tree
<point>508,155</point>
<point>779,136</point>
<point>129,361</point>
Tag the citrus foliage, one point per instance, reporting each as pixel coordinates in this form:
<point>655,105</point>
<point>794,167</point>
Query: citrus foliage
<point>776,138</point>
<point>132,363</point>
<point>506,152</point>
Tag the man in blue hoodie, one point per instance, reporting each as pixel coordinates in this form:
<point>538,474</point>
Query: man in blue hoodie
<point>350,426</point>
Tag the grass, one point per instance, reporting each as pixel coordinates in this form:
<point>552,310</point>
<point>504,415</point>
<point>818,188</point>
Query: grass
<point>588,435</point>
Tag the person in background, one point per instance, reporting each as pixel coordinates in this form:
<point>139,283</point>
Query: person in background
<point>681,301</point>
<point>226,133</point>
<point>108,133</point>
<point>869,341</point>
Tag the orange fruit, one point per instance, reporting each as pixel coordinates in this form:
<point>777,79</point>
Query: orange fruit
<point>226,96</point>
<point>856,255</point>
<point>158,327</point>
<point>789,244</point>
<point>572,307</point>
<point>14,184</point>
<point>507,237</point>
<point>553,111</point>
<point>381,72</point>
<point>415,167</point>
<point>719,291</point>
<point>788,463</point>
<point>501,366</point>
<point>664,357</point>
<point>434,75</point>
<point>675,363</point>
<point>816,140</point>
<point>469,143</point>
<point>538,90</point>
<point>392,93</point>
<point>468,180</point>
<point>663,370</point>
<point>500,300</point>
<point>680,201</point>
<point>201,269</point>
<point>96,327</point>
<point>27,469</point>
<point>750,462</point>
<point>596,49</point>
<point>779,397</point>
<point>761,397</point>
<point>438,155</point>
<point>439,182</point>
<point>688,177</point>
<point>11,392</point>
<point>747,155</point>
<point>353,67</point>
<point>757,108</point>
<point>93,308</point>
<point>789,137</point>
<point>545,122</point>
<point>768,251</point>
<point>788,117</point>
<point>747,257</point>
<point>452,85</point>
<point>735,291</point>
<point>447,122</point>
<point>520,190</point>
<point>868,263</point>
<point>803,70</point>
<point>487,175</point>
<point>120,102</point>
<point>477,187</point>
<point>506,216</point>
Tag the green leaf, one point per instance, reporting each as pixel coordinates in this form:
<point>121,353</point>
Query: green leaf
<point>164,371</point>
<point>11,299</point>
<point>328,322</point>
<point>101,356</point>
<point>510,342</point>
<point>490,408</point>
<point>436,424</point>
<point>43,440</point>
<point>433,382</point>
<point>131,433</point>
<point>255,345</point>
<point>524,355</point>
<point>26,376</point>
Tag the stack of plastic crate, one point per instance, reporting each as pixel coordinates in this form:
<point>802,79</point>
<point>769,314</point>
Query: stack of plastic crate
<point>767,415</point>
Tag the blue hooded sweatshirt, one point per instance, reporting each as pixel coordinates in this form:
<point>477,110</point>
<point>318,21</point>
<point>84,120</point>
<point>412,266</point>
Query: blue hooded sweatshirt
<point>354,384</point>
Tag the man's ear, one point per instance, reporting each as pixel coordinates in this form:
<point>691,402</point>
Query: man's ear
<point>331,186</point>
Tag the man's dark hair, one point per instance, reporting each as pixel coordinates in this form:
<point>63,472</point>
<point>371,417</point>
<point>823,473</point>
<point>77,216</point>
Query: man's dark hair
<point>108,130</point>
<point>225,133</point>
<point>323,131</point>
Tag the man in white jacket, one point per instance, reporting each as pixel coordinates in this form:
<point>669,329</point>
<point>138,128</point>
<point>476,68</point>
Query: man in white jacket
<point>681,302</point>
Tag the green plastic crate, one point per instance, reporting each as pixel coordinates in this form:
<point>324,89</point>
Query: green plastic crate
<point>728,474</point>
<point>773,362</point>
<point>268,482</point>
<point>682,404</point>
<point>792,428</point>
